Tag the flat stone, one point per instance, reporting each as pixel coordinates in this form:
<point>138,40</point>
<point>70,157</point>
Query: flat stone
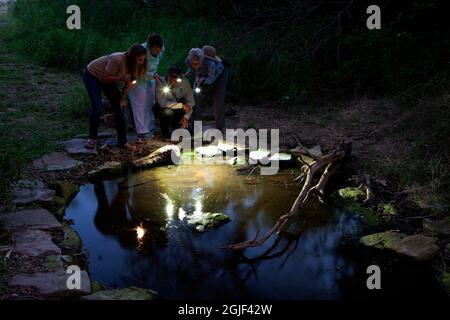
<point>56,161</point>
<point>166,155</point>
<point>27,191</point>
<point>52,284</point>
<point>260,155</point>
<point>107,169</point>
<point>209,151</point>
<point>437,228</point>
<point>34,243</point>
<point>122,294</point>
<point>417,246</point>
<point>205,221</point>
<point>33,219</point>
<point>76,146</point>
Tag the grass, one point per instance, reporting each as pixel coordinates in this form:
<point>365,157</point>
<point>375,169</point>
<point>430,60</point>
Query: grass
<point>33,117</point>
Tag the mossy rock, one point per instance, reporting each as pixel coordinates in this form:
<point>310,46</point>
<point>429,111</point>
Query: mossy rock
<point>351,194</point>
<point>57,206</point>
<point>381,240</point>
<point>53,263</point>
<point>389,210</point>
<point>207,221</point>
<point>132,293</point>
<point>71,240</point>
<point>65,190</point>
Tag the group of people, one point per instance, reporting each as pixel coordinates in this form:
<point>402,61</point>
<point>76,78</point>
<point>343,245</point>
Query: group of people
<point>171,98</point>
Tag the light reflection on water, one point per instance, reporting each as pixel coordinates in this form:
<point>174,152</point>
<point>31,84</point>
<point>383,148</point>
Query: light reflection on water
<point>180,263</point>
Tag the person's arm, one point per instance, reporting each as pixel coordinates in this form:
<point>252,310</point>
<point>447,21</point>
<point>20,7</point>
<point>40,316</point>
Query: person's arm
<point>126,88</point>
<point>189,99</point>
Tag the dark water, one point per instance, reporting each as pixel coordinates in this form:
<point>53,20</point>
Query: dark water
<point>180,263</point>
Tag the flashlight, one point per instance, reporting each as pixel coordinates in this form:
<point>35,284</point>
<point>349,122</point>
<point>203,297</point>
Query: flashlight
<point>197,90</point>
<point>133,79</point>
<point>179,80</point>
<point>166,90</point>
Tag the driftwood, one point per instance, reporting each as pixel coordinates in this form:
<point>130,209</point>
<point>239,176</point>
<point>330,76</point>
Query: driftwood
<point>327,165</point>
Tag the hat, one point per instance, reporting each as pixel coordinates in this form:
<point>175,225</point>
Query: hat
<point>175,71</point>
<point>211,53</point>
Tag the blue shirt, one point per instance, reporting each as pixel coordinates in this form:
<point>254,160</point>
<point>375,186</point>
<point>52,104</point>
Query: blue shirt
<point>209,71</point>
<point>152,63</point>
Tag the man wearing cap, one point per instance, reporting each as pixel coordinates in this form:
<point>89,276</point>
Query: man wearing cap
<point>176,101</point>
<point>209,70</point>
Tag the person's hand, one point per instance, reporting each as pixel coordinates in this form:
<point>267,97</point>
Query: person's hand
<point>186,108</point>
<point>123,103</point>
<point>184,123</point>
<point>127,78</point>
<point>157,77</point>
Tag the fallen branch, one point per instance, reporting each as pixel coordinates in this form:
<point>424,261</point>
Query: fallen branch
<point>327,164</point>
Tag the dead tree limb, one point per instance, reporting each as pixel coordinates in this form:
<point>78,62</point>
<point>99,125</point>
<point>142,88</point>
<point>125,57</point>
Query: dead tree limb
<point>327,165</point>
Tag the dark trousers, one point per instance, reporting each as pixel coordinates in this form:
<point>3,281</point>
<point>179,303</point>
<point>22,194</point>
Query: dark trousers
<point>219,90</point>
<point>168,119</point>
<point>94,88</point>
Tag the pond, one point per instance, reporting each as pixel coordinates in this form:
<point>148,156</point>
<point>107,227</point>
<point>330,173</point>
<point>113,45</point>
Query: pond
<point>135,235</point>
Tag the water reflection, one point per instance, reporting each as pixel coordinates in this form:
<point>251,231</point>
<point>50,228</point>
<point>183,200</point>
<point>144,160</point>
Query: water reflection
<point>140,237</point>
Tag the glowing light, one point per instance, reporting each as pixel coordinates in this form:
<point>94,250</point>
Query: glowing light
<point>140,232</point>
<point>166,90</point>
<point>134,82</point>
<point>198,207</point>
<point>170,209</point>
<point>198,90</point>
<point>179,80</point>
<point>181,214</point>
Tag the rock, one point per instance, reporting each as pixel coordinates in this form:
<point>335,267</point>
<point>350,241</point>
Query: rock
<point>66,190</point>
<point>76,146</point>
<point>351,194</point>
<point>207,221</point>
<point>379,240</point>
<point>34,243</point>
<point>237,161</point>
<point>437,228</point>
<point>417,246</point>
<point>389,210</point>
<point>33,219</point>
<point>57,206</point>
<point>107,169</point>
<point>209,151</point>
<point>56,161</point>
<point>52,284</point>
<point>260,155</point>
<point>54,262</point>
<point>122,294</point>
<point>71,240</point>
<point>166,155</point>
<point>445,281</point>
<point>284,159</point>
<point>27,191</point>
